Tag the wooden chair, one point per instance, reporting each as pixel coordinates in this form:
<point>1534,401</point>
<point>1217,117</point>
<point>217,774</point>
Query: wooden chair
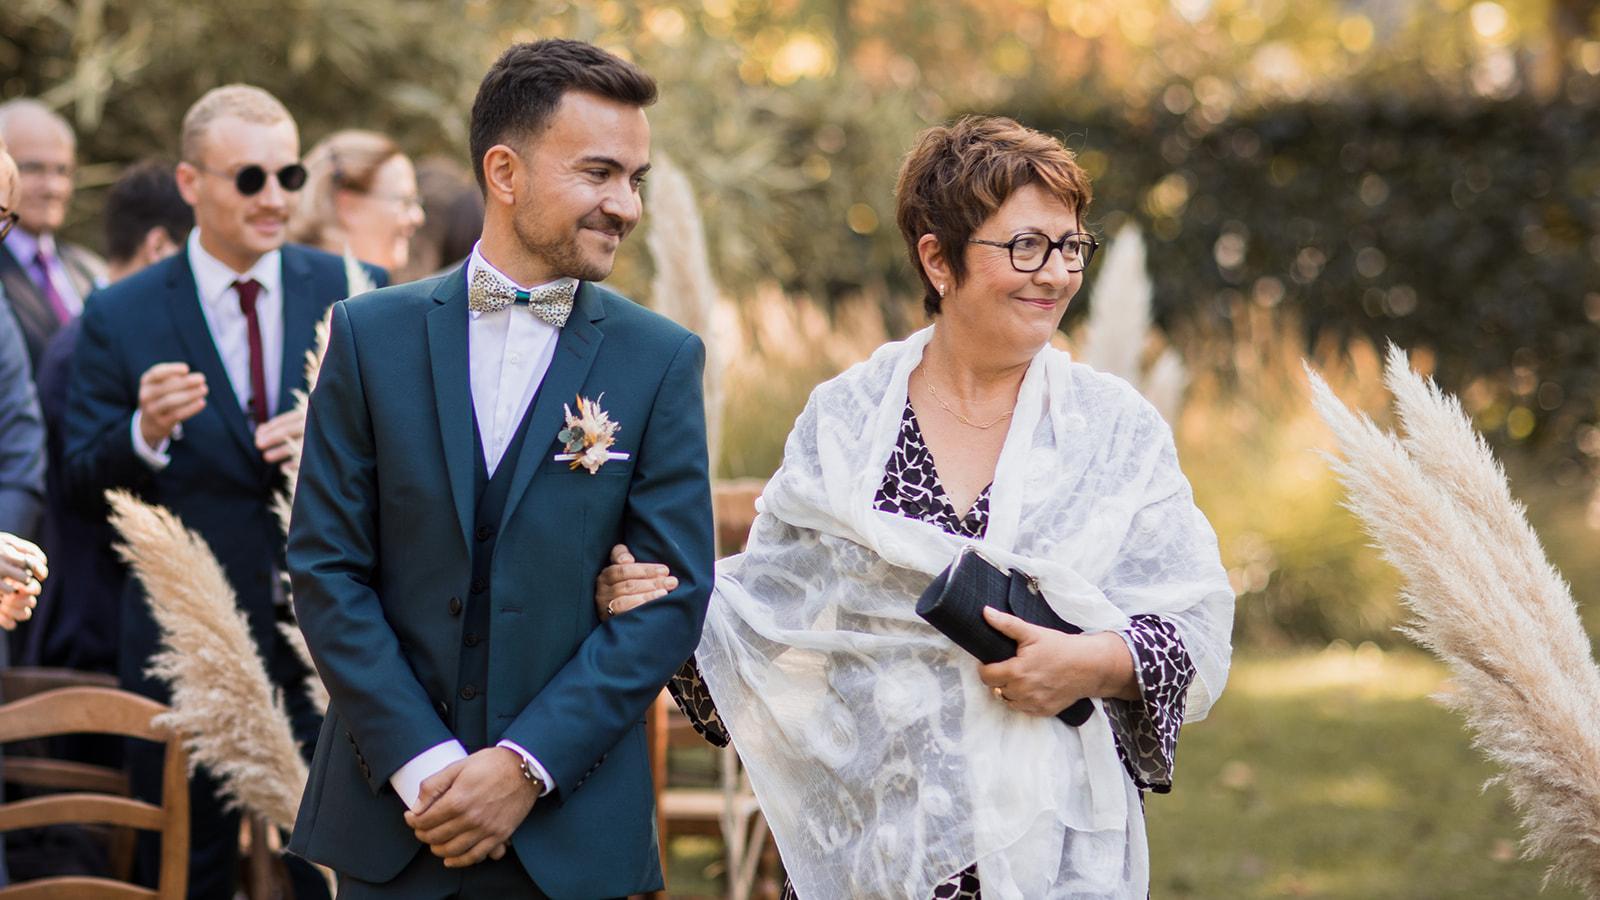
<point>29,766</point>
<point>94,798</point>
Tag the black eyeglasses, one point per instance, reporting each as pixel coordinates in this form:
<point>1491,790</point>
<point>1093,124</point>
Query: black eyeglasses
<point>8,220</point>
<point>252,178</point>
<point>1031,250</point>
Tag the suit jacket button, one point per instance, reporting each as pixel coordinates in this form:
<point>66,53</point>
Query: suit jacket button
<point>455,606</point>
<point>471,640</point>
<point>443,708</point>
<point>479,585</point>
<point>468,692</point>
<point>484,532</point>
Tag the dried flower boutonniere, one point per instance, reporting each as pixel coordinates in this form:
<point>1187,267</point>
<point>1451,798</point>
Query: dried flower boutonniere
<point>588,436</point>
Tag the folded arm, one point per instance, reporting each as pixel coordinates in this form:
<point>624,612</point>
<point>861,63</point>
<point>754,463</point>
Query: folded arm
<point>621,666</point>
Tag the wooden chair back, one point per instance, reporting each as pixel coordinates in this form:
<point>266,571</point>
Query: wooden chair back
<point>91,797</point>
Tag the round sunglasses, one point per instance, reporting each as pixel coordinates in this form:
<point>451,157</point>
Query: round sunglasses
<point>252,178</point>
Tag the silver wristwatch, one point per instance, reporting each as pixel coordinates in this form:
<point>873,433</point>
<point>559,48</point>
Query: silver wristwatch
<point>529,774</point>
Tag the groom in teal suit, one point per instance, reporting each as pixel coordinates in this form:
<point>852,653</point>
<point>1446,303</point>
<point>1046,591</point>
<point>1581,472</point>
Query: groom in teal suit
<point>485,733</point>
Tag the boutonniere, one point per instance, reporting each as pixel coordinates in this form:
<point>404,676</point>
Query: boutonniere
<point>588,436</point>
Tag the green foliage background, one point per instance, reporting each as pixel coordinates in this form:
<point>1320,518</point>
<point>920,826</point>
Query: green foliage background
<point>1422,171</point>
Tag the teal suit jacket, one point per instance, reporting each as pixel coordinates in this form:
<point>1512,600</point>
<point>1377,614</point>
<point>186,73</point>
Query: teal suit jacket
<point>379,555</point>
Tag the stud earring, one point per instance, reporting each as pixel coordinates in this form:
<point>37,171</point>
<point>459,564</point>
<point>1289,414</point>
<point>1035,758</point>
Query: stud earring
<point>941,290</point>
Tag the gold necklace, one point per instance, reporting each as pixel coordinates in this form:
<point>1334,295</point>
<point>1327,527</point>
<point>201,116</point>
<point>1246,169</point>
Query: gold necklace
<point>927,380</point>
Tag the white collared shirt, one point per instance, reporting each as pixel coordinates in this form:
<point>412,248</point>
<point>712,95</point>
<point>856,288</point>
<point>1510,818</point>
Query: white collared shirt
<point>219,301</point>
<point>508,354</point>
<point>230,331</point>
<point>25,246</point>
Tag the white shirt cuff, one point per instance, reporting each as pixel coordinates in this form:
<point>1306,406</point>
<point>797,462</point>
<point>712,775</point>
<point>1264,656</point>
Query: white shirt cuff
<point>408,779</point>
<point>539,770</point>
<point>156,458</point>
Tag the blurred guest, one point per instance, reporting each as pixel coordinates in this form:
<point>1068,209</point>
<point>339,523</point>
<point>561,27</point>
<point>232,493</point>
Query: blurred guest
<point>182,390</point>
<point>21,446</point>
<point>360,198</point>
<point>44,279</point>
<point>21,429</point>
<point>145,221</point>
<point>145,218</point>
<point>454,207</point>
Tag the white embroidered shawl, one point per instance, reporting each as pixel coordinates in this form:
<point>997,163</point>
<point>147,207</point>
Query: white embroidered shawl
<point>882,763</point>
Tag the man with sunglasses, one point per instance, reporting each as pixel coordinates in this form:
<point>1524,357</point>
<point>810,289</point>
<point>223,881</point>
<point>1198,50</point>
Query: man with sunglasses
<point>183,391</point>
<point>44,279</point>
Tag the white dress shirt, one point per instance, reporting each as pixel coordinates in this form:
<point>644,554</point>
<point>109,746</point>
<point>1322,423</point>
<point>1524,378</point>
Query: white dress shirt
<point>508,353</point>
<point>230,331</point>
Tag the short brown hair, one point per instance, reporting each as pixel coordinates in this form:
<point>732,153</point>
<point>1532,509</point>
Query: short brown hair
<point>241,101</point>
<point>346,160</point>
<point>958,175</point>
<point>525,85</point>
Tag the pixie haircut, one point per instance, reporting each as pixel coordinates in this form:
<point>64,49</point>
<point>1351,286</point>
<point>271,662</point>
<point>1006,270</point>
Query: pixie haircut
<point>239,101</point>
<point>525,85</point>
<point>958,175</point>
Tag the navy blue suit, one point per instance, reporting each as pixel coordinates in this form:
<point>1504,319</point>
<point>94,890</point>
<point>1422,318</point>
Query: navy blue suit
<point>387,528</point>
<point>77,623</point>
<point>217,482</point>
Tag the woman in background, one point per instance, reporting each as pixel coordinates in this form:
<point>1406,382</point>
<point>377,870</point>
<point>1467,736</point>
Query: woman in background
<point>360,198</point>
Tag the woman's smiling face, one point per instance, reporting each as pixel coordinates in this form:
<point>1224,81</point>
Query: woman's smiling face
<point>1014,313</point>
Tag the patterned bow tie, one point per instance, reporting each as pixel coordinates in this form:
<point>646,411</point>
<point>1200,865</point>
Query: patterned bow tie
<point>551,304</point>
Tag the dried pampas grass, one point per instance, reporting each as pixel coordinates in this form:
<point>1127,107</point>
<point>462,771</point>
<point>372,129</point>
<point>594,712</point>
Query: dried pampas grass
<point>233,720</point>
<point>283,500</point>
<point>316,691</point>
<point>1488,603</point>
<point>684,289</point>
<point>1120,337</point>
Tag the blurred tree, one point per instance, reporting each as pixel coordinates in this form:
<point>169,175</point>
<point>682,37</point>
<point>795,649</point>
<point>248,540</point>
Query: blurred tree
<point>1374,164</point>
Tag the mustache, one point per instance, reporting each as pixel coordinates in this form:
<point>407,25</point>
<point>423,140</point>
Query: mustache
<point>600,221</point>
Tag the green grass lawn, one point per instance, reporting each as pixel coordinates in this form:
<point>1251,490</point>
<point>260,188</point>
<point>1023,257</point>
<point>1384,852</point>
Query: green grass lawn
<point>1320,774</point>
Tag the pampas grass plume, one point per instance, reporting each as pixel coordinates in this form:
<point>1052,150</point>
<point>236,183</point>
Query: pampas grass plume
<point>1119,329</point>
<point>1487,602</point>
<point>684,289</point>
<point>233,721</point>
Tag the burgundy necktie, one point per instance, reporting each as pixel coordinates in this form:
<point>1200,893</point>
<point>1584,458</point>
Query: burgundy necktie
<point>47,286</point>
<point>248,290</point>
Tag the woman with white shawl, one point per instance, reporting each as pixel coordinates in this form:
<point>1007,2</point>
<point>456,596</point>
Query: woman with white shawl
<point>887,761</point>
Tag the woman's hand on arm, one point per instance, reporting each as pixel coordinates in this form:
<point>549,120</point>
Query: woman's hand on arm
<point>1053,670</point>
<point>628,583</point>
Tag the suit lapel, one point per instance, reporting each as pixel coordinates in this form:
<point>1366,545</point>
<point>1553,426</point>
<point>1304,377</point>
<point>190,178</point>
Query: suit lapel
<point>34,315</point>
<point>452,391</point>
<point>183,302</point>
<point>300,309</point>
<point>574,356</point>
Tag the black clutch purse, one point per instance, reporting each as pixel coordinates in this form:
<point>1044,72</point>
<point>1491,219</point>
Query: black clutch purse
<point>954,604</point>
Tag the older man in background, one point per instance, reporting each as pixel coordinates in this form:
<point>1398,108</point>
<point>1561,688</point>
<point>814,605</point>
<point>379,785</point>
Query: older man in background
<point>45,280</point>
